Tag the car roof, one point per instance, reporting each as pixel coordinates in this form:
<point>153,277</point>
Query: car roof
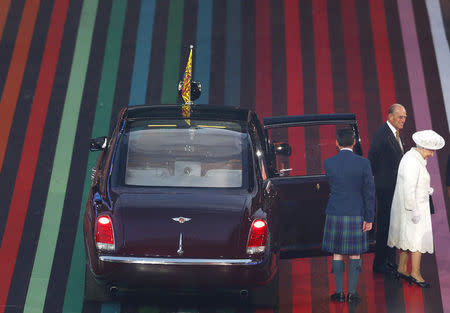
<point>198,111</point>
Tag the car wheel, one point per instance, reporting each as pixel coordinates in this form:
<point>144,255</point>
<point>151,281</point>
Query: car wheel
<point>93,291</point>
<point>267,295</point>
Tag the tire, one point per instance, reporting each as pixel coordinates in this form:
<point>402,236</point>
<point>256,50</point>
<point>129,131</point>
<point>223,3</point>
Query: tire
<point>94,291</point>
<point>267,295</point>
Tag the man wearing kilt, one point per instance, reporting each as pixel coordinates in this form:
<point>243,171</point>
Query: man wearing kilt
<point>349,212</point>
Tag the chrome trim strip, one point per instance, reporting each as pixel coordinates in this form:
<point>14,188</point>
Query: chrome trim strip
<point>170,261</point>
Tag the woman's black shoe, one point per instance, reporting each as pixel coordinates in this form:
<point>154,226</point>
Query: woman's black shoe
<point>338,297</point>
<point>353,298</point>
<point>403,276</point>
<point>422,284</point>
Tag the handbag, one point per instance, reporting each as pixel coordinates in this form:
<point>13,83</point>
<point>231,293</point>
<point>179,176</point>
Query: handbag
<point>431,205</point>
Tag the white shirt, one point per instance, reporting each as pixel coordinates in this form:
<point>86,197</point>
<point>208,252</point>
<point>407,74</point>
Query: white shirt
<point>394,131</point>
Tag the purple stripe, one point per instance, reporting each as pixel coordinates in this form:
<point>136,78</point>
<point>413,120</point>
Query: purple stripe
<point>422,116</point>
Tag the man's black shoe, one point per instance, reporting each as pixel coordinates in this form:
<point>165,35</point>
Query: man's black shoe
<point>338,297</point>
<point>353,298</point>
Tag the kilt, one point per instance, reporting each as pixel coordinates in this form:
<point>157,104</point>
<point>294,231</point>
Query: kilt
<point>344,235</point>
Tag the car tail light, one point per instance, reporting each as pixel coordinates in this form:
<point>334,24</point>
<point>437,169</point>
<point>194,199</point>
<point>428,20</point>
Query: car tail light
<point>104,234</point>
<point>257,239</point>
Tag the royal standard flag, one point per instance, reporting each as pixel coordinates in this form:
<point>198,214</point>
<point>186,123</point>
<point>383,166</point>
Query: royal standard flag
<point>186,88</point>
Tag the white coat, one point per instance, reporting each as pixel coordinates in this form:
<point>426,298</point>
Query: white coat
<point>411,198</point>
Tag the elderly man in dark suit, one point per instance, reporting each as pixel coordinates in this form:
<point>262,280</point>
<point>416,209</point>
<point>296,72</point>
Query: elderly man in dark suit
<point>386,151</point>
<point>349,212</point>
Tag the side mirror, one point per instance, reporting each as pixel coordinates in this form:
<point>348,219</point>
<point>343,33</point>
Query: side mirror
<point>98,143</point>
<point>282,148</point>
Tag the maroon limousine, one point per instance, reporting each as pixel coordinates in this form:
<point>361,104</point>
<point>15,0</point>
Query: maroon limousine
<point>207,202</point>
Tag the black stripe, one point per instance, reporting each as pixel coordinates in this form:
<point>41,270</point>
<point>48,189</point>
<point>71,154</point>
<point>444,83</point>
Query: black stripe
<point>9,39</point>
<point>218,42</point>
<point>369,70</point>
<point>248,53</point>
<point>285,285</point>
<point>432,300</point>
<point>278,48</point>
<point>72,202</point>
<point>158,52</point>
<point>33,220</point>
<point>126,62</point>
<point>188,37</point>
<point>312,135</point>
<point>337,55</point>
<point>399,69</point>
<point>445,9</point>
<point>319,285</point>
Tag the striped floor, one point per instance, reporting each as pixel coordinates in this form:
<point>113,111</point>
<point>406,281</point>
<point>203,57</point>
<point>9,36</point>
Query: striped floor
<point>68,66</point>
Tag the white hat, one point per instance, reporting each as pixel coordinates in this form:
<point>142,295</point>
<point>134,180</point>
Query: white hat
<point>428,139</point>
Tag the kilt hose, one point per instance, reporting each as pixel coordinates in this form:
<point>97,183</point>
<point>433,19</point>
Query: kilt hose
<point>344,235</point>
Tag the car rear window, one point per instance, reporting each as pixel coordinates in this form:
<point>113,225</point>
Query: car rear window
<point>173,153</point>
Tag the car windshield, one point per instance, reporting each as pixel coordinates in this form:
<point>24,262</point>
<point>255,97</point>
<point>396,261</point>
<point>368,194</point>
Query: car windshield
<point>172,153</point>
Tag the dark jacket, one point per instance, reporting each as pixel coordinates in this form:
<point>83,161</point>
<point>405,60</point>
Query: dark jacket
<point>352,190</point>
<point>385,155</point>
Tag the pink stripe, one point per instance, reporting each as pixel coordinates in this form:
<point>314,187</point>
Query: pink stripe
<point>422,117</point>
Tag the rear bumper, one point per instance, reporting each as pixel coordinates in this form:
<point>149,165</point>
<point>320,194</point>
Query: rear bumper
<point>176,273</point>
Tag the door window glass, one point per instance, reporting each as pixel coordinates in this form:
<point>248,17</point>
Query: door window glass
<point>310,146</point>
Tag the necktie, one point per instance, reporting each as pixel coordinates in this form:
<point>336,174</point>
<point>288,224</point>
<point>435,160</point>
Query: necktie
<point>397,136</point>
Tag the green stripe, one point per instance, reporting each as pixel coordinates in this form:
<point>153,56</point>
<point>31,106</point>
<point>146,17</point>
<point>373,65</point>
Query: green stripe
<point>73,300</point>
<point>172,57</point>
<point>43,261</point>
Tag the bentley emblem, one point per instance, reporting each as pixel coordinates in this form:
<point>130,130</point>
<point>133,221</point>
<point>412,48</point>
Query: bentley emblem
<point>181,219</point>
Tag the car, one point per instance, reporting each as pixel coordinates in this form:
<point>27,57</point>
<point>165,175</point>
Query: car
<point>204,202</point>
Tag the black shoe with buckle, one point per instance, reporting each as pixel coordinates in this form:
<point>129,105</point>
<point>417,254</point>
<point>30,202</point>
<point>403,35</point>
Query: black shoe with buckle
<point>353,298</point>
<point>338,297</point>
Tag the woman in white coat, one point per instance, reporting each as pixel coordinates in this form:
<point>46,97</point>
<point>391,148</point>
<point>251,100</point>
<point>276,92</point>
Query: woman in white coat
<point>410,226</point>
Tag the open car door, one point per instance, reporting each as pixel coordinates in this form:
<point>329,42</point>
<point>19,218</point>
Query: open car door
<point>299,146</point>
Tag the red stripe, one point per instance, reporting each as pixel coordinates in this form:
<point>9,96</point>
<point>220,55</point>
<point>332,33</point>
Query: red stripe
<point>15,72</point>
<point>24,181</point>
<point>373,282</point>
<point>354,70</point>
<point>294,83</point>
<point>301,285</point>
<point>325,103</point>
<point>4,4</point>
<point>413,296</point>
<point>263,59</point>
<point>382,56</point>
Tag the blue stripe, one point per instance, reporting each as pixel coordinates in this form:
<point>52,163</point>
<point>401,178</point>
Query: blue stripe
<point>142,54</point>
<point>202,61</point>
<point>233,54</point>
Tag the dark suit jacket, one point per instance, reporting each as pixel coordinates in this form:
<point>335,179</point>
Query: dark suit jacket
<point>385,155</point>
<point>352,190</point>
